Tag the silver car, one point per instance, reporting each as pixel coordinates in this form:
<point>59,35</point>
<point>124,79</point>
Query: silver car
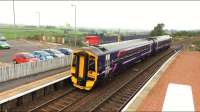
<point>54,53</point>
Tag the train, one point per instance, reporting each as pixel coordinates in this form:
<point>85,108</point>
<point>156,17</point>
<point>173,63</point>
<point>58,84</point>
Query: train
<point>90,65</point>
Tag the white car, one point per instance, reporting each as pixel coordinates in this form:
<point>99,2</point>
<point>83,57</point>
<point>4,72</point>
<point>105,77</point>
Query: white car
<point>2,38</point>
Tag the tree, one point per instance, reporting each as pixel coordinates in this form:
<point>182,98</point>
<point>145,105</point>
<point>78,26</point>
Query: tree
<point>158,30</point>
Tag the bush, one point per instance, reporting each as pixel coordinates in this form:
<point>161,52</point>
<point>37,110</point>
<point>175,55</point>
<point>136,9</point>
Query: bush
<point>186,33</point>
<point>158,30</point>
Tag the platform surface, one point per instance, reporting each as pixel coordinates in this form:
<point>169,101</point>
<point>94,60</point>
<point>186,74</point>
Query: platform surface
<point>184,71</point>
<point>32,86</point>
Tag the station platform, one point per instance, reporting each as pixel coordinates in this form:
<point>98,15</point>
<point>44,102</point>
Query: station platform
<point>11,94</point>
<point>175,87</point>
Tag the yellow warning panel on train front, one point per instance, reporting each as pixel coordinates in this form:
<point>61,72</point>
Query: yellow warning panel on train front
<point>81,66</point>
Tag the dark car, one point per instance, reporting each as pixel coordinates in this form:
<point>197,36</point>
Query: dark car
<point>65,51</point>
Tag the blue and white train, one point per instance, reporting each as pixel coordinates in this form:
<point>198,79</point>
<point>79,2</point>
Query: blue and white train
<point>95,63</point>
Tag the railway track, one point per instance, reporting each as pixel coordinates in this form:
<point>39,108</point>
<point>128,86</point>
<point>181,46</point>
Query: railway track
<point>110,97</point>
<point>61,102</point>
<point>119,98</point>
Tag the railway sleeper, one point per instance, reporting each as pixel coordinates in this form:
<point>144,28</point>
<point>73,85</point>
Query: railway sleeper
<point>128,88</point>
<point>50,108</point>
<point>120,94</point>
<point>113,103</point>
<point>44,110</point>
<point>126,92</point>
<point>109,108</point>
<point>117,100</point>
<point>124,98</point>
<point>55,104</point>
<point>64,101</point>
<point>69,99</point>
<point>103,110</point>
<point>59,104</point>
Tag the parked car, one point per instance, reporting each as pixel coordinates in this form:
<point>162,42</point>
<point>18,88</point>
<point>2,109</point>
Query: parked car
<point>65,51</point>
<point>23,57</point>
<point>42,55</point>
<point>4,45</point>
<point>54,53</point>
<point>2,38</point>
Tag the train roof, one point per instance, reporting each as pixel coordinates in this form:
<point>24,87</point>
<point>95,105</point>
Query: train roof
<point>161,38</point>
<point>111,47</point>
<point>125,44</point>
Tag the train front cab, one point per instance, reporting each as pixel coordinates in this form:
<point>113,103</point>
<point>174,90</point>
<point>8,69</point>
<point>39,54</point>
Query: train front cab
<point>84,69</point>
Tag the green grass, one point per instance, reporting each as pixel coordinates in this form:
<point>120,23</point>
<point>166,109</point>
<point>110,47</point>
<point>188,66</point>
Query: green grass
<point>178,38</point>
<point>197,46</point>
<point>15,33</point>
<point>11,32</point>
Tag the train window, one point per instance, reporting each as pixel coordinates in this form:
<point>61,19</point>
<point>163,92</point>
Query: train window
<point>102,48</point>
<point>92,63</point>
<point>100,66</point>
<point>74,60</point>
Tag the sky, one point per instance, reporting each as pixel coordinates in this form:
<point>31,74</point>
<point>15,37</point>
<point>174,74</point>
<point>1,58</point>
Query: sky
<point>138,15</point>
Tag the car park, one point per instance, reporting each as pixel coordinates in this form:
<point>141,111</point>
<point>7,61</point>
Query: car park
<point>23,57</point>
<point>65,51</point>
<point>54,52</point>
<point>4,45</point>
<point>42,55</point>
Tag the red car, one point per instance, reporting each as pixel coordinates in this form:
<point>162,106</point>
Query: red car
<point>24,57</point>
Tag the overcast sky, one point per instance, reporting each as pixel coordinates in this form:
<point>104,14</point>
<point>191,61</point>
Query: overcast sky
<point>139,15</point>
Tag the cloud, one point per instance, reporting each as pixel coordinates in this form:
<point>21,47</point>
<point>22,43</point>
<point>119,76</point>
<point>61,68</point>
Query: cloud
<point>106,14</point>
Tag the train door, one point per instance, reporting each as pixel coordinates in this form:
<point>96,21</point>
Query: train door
<point>82,69</point>
<point>154,45</point>
<point>107,62</point>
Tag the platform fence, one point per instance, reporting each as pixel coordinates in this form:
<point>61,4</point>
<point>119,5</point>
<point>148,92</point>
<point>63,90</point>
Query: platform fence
<point>14,71</point>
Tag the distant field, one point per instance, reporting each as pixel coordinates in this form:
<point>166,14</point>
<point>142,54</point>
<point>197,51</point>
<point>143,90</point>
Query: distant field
<point>21,32</point>
<point>11,32</point>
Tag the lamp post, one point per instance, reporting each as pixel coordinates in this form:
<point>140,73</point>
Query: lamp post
<point>14,12</point>
<point>74,16</point>
<point>38,18</point>
<point>74,20</point>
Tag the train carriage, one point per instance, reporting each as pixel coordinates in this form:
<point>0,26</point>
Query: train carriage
<point>95,63</point>
<point>162,42</point>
